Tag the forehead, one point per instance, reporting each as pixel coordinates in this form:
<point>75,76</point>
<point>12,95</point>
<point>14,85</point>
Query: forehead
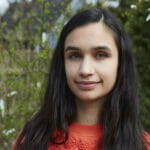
<point>89,35</point>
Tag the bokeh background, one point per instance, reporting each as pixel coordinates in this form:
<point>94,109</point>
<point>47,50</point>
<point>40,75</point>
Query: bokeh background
<point>29,30</point>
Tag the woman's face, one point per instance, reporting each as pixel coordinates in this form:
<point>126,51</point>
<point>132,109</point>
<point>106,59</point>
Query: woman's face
<point>91,61</point>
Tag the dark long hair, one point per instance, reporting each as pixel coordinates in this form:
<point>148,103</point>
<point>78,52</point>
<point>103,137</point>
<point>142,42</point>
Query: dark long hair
<point>121,124</point>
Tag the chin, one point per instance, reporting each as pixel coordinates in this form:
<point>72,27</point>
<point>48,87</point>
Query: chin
<point>88,98</point>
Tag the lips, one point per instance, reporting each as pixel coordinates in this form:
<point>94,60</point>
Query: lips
<point>87,85</point>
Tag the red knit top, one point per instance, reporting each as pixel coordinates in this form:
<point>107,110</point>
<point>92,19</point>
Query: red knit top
<point>86,137</point>
<point>81,137</point>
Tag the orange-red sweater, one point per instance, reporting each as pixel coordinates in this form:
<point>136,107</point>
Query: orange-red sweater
<point>85,137</point>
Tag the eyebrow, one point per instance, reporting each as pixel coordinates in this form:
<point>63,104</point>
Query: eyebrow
<point>69,48</point>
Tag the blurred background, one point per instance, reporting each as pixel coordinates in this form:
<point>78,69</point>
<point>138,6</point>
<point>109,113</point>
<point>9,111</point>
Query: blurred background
<point>29,30</point>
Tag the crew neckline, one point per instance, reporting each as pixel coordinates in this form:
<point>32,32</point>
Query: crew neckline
<point>85,130</point>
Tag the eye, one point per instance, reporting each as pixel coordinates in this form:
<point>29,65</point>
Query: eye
<point>74,56</point>
<point>101,55</point>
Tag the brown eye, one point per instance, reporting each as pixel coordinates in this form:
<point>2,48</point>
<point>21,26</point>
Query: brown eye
<point>101,55</point>
<point>74,56</point>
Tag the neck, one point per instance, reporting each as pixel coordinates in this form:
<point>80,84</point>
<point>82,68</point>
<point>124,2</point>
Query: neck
<point>89,113</point>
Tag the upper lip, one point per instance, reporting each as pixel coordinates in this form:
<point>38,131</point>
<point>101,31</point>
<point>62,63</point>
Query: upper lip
<point>87,82</point>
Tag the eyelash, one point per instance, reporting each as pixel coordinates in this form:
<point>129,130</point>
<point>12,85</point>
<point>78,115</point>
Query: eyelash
<point>101,55</point>
<point>97,55</point>
<point>74,56</point>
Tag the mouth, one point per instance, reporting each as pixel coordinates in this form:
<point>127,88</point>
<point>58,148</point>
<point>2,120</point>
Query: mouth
<point>87,85</point>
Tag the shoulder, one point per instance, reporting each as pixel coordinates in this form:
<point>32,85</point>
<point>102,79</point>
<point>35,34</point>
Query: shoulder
<point>146,139</point>
<point>15,143</point>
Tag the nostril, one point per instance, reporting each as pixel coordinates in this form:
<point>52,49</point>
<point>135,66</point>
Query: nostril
<point>86,72</point>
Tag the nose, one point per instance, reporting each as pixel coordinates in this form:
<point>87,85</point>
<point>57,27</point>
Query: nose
<point>86,68</point>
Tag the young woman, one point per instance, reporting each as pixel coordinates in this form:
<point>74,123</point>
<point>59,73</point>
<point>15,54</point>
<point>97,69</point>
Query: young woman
<point>91,99</point>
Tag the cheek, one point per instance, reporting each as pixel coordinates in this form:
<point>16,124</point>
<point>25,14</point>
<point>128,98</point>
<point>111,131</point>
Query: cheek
<point>70,70</point>
<point>112,76</point>
<point>109,72</point>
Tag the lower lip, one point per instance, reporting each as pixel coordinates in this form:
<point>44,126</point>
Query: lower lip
<point>87,86</point>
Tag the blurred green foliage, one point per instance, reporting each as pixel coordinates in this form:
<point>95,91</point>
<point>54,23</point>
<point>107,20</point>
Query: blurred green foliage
<point>24,61</point>
<point>23,70</point>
